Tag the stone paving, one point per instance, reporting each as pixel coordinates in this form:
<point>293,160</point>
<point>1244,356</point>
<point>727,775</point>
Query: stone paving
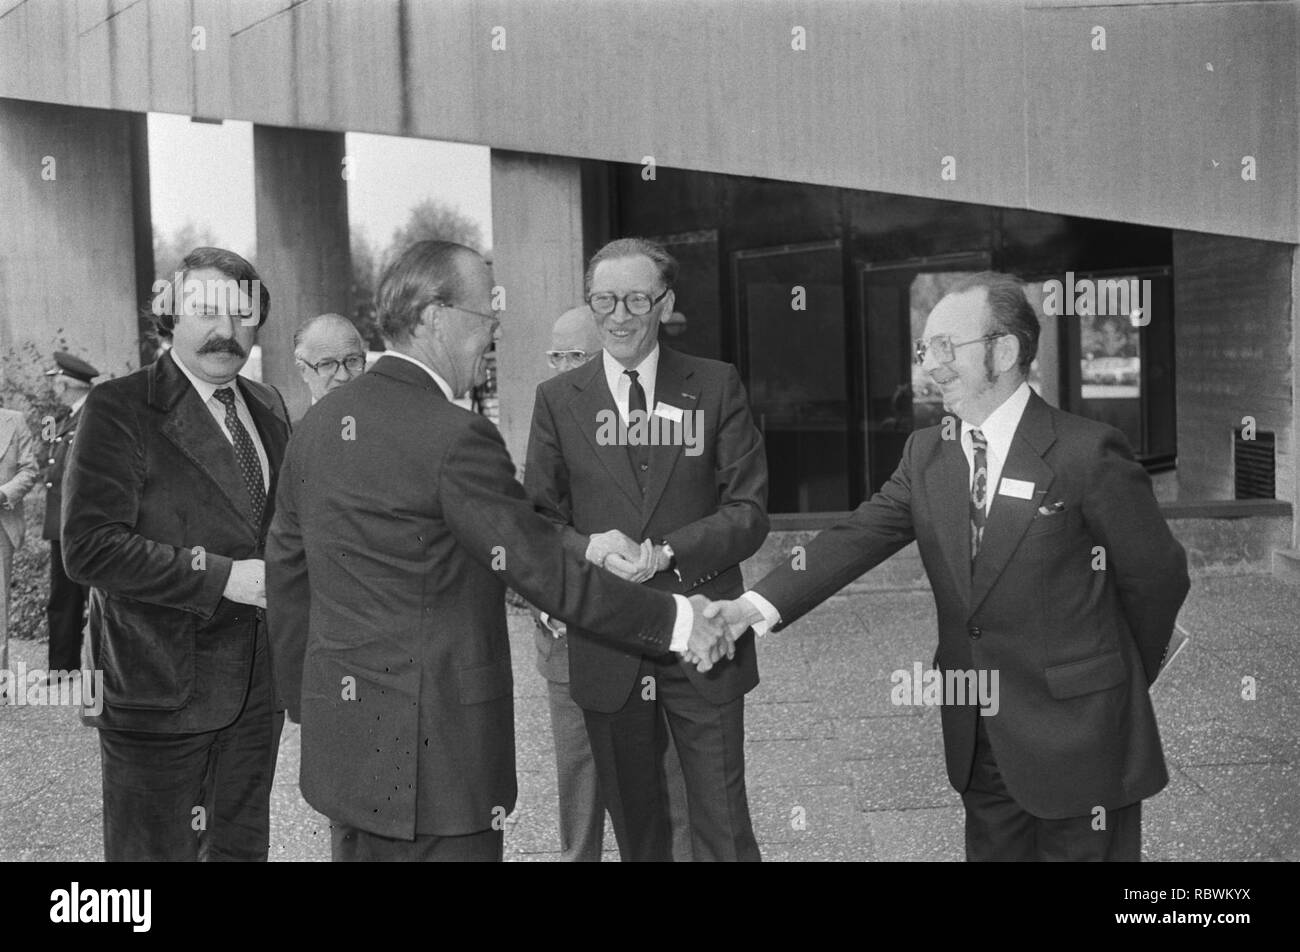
<point>835,771</point>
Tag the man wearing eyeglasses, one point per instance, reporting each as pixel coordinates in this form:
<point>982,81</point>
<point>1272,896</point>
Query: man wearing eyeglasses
<point>401,525</point>
<point>1052,568</point>
<point>575,339</point>
<point>329,352</point>
<point>669,519</point>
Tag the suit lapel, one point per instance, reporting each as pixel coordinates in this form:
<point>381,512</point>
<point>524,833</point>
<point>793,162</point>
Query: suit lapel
<point>274,433</point>
<point>192,430</point>
<point>592,398</point>
<point>951,507</point>
<point>1009,517</point>
<point>672,389</point>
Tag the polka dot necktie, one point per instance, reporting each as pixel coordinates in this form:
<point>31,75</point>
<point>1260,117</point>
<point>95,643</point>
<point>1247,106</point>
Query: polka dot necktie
<point>245,452</point>
<point>979,490</point>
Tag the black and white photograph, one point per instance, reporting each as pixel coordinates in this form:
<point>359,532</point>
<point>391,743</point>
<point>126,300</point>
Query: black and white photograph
<point>576,431</point>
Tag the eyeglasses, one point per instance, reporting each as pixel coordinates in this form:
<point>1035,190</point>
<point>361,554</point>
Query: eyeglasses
<point>559,358</point>
<point>329,366</point>
<point>943,348</point>
<point>638,303</point>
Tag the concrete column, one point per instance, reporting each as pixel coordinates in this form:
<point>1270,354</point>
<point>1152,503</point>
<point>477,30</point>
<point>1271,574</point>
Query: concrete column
<point>74,196</point>
<point>302,243</point>
<point>538,257</point>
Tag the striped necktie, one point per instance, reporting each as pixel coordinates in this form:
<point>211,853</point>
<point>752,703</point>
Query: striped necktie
<point>979,491</point>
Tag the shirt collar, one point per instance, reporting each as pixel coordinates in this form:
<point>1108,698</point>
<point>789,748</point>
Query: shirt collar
<point>204,389</point>
<point>77,406</point>
<point>646,371</point>
<point>442,384</point>
<point>999,427</point>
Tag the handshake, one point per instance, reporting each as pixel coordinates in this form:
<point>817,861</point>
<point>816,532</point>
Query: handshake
<point>717,625</point>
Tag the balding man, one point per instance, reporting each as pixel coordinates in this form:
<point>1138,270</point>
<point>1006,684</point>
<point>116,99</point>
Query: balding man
<point>575,339</point>
<point>329,352</point>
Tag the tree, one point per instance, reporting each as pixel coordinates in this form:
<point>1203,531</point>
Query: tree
<point>365,277</point>
<point>433,220</point>
<point>168,253</point>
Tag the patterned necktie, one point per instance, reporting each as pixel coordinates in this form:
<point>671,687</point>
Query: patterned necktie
<point>639,454</point>
<point>979,491</point>
<point>249,464</point>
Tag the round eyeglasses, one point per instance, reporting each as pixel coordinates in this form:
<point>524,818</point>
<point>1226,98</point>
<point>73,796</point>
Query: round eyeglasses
<point>638,303</point>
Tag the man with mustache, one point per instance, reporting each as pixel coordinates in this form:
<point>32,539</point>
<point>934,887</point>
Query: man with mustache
<point>166,504</point>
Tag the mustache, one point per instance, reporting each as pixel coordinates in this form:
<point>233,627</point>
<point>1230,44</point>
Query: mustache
<point>222,345</point>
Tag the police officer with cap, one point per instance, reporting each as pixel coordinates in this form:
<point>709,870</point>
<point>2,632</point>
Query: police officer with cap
<point>72,379</point>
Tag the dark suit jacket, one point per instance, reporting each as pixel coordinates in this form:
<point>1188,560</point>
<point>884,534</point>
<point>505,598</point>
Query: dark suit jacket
<point>710,508</point>
<point>54,457</point>
<point>1075,648</point>
<point>151,479</point>
<point>398,525</point>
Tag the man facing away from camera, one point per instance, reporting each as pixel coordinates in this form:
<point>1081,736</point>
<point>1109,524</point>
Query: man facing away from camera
<point>166,505</point>
<point>1052,568</point>
<point>398,526</point>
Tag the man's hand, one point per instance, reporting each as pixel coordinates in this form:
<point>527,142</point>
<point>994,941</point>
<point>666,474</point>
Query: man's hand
<point>605,544</point>
<point>737,615</point>
<point>247,582</point>
<point>710,641</point>
<point>643,567</point>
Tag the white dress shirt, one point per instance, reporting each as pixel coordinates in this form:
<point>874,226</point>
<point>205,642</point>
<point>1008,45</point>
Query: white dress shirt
<point>999,428</point>
<point>206,393</point>
<point>620,384</point>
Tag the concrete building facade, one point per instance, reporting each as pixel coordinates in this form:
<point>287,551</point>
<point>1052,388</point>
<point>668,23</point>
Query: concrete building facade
<point>858,146</point>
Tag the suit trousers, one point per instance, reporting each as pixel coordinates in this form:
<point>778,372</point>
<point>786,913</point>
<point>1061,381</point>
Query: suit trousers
<point>628,746</point>
<point>581,806</point>
<point>65,613</point>
<point>195,797</point>
<point>350,844</point>
<point>999,830</point>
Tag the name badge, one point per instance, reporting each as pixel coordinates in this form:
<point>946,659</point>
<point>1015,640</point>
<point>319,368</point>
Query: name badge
<point>1018,488</point>
<point>668,413</point>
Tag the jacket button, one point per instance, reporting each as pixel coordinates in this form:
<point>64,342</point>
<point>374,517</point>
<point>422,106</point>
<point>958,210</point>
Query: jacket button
<point>974,632</point>
<point>49,485</point>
